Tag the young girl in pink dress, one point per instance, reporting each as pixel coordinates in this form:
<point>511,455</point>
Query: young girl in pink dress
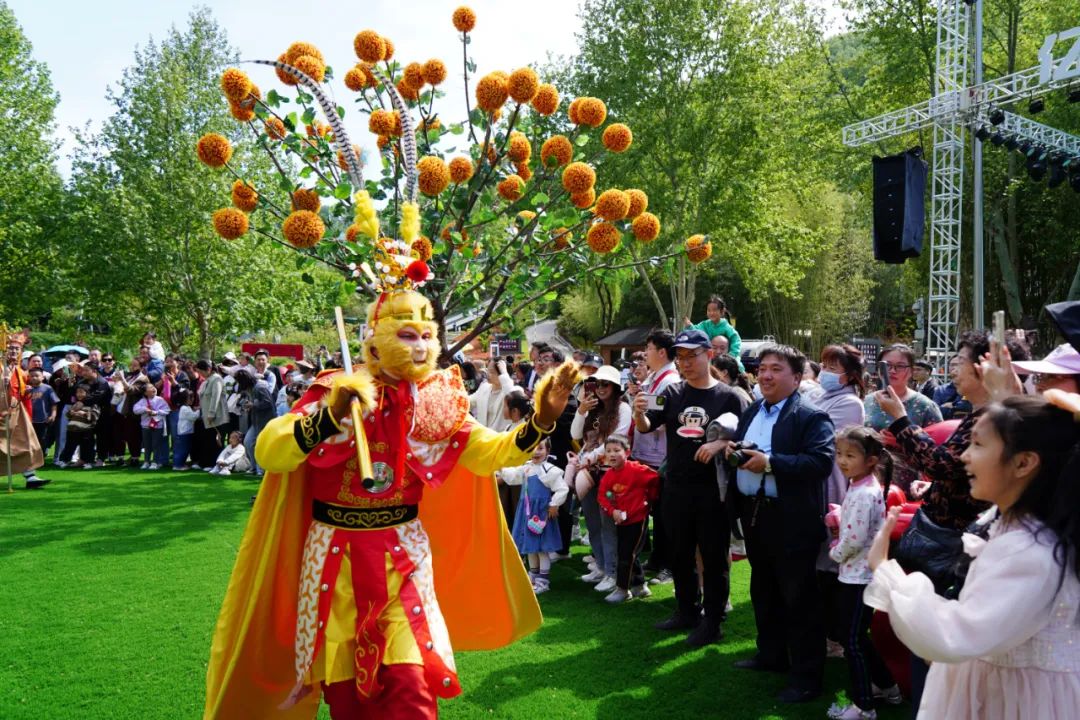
<point>1009,645</point>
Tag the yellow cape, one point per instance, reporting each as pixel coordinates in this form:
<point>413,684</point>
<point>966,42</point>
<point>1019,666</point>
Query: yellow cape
<point>483,590</point>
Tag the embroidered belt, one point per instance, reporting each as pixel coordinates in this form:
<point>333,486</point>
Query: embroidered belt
<point>354,518</point>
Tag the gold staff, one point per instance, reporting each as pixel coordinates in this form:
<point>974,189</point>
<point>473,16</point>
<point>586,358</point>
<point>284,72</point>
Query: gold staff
<point>363,455</point>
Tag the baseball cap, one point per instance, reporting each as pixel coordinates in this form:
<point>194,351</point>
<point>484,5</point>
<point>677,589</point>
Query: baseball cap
<point>1062,360</point>
<point>593,361</point>
<point>692,339</point>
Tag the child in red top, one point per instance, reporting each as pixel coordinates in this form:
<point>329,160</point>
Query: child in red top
<point>626,493</point>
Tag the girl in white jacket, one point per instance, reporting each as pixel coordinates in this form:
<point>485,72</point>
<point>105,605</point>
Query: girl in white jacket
<point>536,531</point>
<point>1009,645</point>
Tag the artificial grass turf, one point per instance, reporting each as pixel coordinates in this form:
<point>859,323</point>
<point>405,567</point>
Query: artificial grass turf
<point>111,580</point>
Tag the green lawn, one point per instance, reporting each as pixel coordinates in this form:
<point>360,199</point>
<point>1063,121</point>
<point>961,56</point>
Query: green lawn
<point>110,583</point>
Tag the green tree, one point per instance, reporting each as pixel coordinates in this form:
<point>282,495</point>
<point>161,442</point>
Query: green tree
<point>139,203</point>
<point>31,269</point>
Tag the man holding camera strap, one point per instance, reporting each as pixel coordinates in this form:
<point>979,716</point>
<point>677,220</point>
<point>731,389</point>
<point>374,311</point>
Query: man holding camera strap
<point>694,516</point>
<point>784,449</point>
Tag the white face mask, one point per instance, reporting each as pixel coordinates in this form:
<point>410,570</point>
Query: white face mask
<point>830,381</point>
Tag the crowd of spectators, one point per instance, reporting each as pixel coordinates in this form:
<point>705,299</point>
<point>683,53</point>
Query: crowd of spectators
<point>680,462</point>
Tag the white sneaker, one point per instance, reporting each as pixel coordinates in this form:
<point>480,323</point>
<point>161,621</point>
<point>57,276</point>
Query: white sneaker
<point>154,466</point>
<point>641,591</point>
<point>589,560</point>
<point>890,696</point>
<point>618,595</point>
<point>662,578</point>
<point>585,540</point>
<point>225,471</point>
<point>605,585</point>
<point>144,466</point>
<point>593,577</point>
<point>196,467</point>
<point>850,712</point>
<point>60,463</point>
<point>729,607</point>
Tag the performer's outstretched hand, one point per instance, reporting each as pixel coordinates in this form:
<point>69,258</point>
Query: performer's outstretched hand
<point>345,388</point>
<point>553,392</point>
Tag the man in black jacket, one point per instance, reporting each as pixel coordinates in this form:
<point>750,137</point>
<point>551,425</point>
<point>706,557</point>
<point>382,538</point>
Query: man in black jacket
<point>780,497</point>
<point>98,394</point>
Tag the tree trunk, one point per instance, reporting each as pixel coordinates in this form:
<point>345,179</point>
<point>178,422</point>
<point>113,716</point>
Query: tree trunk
<point>1009,282</point>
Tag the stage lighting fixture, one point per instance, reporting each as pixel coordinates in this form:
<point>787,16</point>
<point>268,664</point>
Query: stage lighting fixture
<point>997,138</point>
<point>1011,141</point>
<point>997,116</point>
<point>983,133</point>
<point>1036,164</point>
<point>1036,106</point>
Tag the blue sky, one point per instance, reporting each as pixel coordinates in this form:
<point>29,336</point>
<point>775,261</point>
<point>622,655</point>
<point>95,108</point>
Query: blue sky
<point>87,45</point>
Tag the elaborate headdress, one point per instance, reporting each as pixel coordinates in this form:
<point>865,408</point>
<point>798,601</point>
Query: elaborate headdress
<point>397,266</point>
<point>14,337</point>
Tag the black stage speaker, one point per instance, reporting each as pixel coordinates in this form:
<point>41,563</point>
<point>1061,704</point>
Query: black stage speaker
<point>899,212</point>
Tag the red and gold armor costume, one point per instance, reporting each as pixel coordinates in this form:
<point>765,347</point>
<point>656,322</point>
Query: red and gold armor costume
<point>338,579</point>
<point>16,411</point>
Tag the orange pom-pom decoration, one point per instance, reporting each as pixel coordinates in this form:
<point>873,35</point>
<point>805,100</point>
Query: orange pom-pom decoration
<point>518,148</point>
<point>384,122</point>
<point>492,91</point>
<point>561,238</point>
<point>546,100</point>
<point>369,46</point>
<point>356,79</point>
<point>244,196</point>
<point>433,174</point>
<point>572,111</point>
<point>241,113</point>
<point>639,202</point>
<point>512,188</point>
<point>389,49</point>
<point>603,238</point>
<point>413,76</point>
<point>235,84</point>
<point>303,48</point>
<point>461,169</point>
<point>434,71</point>
<point>613,205</point>
<point>646,227</point>
<point>422,247</point>
<point>230,223</point>
<point>464,19</point>
<point>303,229</point>
<point>351,233</point>
<point>556,151</point>
<point>592,112</point>
<point>698,249</point>
<point>311,66</point>
<point>523,84</point>
<point>578,177</point>
<point>523,171</point>
<point>214,150</point>
<point>617,137</point>
<point>343,162</point>
<point>407,92</point>
<point>304,199</point>
<point>283,76</point>
<point>583,200</point>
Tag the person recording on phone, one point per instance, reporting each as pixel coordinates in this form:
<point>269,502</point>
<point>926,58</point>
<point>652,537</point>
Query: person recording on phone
<point>784,450</point>
<point>693,514</point>
<point>651,448</point>
<point>600,414</point>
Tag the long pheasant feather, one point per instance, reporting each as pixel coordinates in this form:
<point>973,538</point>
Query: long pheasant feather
<point>408,134</point>
<point>341,138</point>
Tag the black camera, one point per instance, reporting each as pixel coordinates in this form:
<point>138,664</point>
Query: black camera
<point>739,456</point>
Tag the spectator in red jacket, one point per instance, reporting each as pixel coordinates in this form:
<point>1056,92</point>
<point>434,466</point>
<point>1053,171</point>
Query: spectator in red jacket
<point>627,491</point>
